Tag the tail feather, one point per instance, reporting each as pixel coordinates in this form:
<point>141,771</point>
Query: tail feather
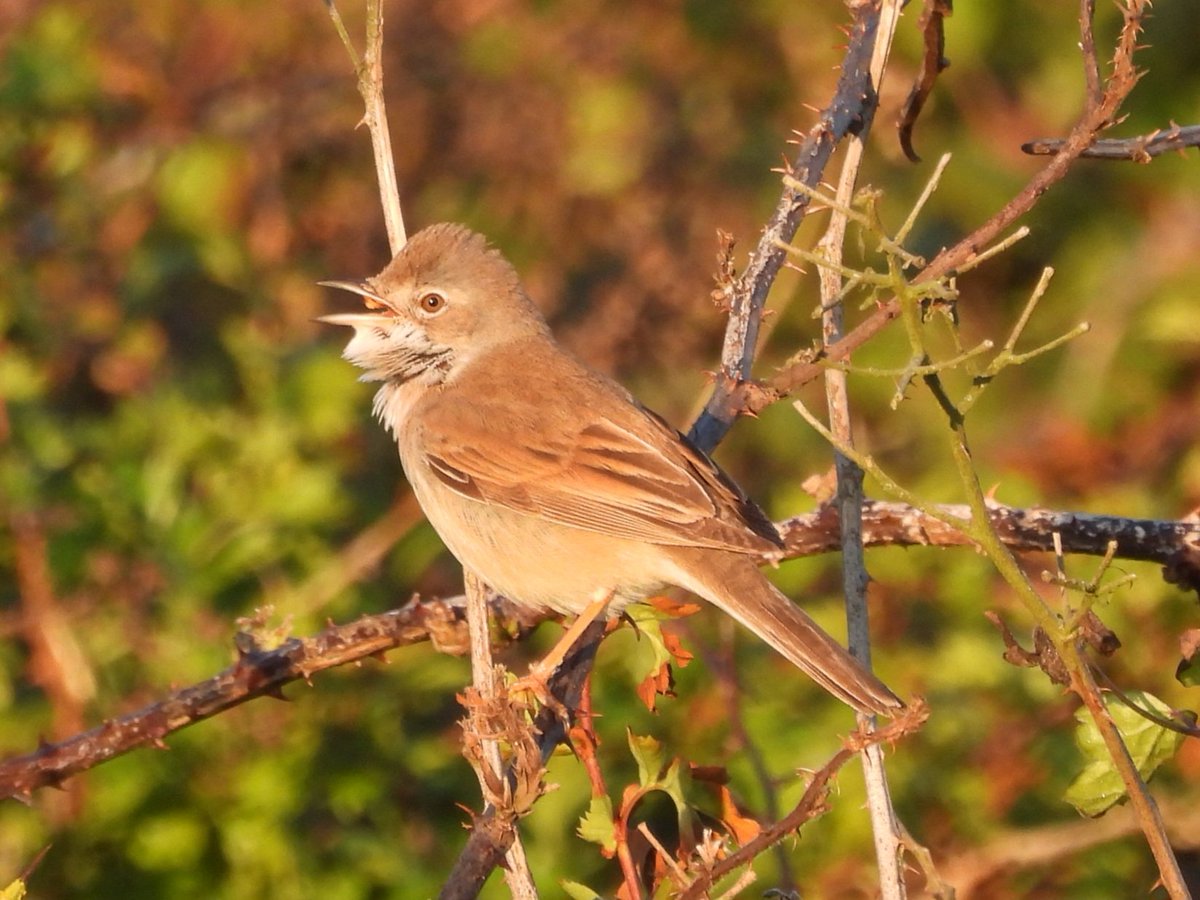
<point>744,592</point>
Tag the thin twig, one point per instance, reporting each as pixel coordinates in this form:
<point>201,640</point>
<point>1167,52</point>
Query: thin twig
<point>1087,45</point>
<point>1149,715</point>
<point>369,73</point>
<point>1142,148</point>
<point>370,85</point>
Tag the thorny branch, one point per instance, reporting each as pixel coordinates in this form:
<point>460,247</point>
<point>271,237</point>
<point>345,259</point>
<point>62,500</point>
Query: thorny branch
<point>258,672</point>
<point>1141,149</point>
<point>264,672</point>
<point>850,111</point>
<point>812,803</point>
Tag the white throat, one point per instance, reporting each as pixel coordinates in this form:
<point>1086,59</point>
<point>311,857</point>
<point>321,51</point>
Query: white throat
<point>394,402</point>
<point>396,351</point>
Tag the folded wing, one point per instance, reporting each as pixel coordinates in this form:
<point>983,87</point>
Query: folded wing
<point>620,471</point>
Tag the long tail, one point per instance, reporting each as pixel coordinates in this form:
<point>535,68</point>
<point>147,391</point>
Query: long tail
<point>744,592</point>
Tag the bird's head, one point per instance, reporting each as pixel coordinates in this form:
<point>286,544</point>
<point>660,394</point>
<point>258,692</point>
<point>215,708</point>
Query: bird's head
<point>443,300</point>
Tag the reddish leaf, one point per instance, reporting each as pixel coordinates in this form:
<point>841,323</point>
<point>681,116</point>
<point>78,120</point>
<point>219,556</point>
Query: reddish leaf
<point>675,608</point>
<point>743,828</point>
<point>675,647</point>
<point>659,682</point>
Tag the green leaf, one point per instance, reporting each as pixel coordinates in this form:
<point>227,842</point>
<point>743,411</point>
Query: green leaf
<point>648,623</point>
<point>674,783</point>
<point>1096,789</point>
<point>1098,786</point>
<point>574,890</point>
<point>650,760</point>
<point>1150,744</point>
<point>596,825</point>
<point>672,780</point>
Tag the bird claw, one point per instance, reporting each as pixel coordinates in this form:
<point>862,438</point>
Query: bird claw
<point>536,683</point>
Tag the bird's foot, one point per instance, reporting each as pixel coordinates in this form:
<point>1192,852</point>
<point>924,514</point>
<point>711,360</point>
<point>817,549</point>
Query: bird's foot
<point>537,680</point>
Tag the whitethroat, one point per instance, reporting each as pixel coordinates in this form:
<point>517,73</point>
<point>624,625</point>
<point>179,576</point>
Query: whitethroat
<point>547,479</point>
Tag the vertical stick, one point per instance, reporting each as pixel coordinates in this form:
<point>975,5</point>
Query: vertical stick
<point>370,85</point>
<point>483,676</point>
<point>885,828</point>
<point>369,72</point>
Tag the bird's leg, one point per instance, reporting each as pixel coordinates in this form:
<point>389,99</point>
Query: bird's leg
<point>536,680</point>
<point>545,667</point>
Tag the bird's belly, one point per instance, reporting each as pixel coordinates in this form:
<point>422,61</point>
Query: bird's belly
<point>538,563</point>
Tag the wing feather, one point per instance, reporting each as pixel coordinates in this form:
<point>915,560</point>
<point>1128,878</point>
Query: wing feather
<point>620,470</point>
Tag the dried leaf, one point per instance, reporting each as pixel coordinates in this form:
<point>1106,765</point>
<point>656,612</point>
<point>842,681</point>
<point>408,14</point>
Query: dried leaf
<point>680,656</point>
<point>673,608</point>
<point>743,828</point>
<point>665,649</point>
<point>933,63</point>
<point>1188,670</point>
<point>656,684</point>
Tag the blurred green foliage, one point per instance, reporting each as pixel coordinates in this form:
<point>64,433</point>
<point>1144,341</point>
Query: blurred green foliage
<point>174,179</point>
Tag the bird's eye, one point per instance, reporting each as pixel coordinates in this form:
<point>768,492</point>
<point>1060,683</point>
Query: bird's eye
<point>432,303</point>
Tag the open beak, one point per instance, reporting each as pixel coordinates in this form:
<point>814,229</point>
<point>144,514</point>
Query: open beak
<point>363,288</point>
<point>352,320</point>
<point>370,296</point>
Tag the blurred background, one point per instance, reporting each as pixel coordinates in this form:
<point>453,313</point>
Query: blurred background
<point>180,443</point>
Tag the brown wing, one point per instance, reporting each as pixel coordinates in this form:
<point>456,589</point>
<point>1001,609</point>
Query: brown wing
<point>618,469</point>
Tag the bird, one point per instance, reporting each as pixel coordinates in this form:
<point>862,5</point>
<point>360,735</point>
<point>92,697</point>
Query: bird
<point>548,479</point>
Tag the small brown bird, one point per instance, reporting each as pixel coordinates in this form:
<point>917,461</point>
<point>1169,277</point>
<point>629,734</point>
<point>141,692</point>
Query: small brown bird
<point>549,480</point>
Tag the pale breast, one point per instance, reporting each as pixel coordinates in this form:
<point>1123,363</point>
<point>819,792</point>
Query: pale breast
<point>534,562</point>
